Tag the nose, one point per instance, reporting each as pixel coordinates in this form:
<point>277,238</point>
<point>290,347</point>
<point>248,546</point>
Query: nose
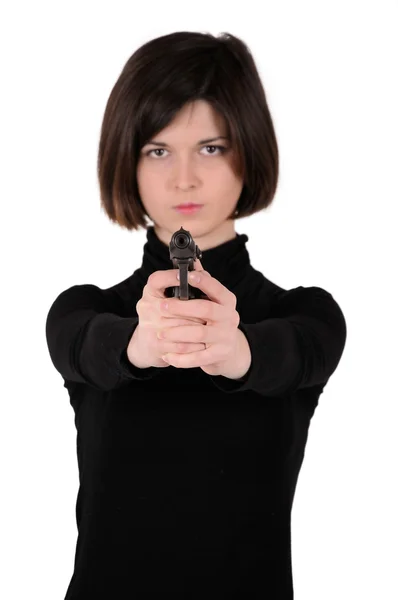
<point>184,173</point>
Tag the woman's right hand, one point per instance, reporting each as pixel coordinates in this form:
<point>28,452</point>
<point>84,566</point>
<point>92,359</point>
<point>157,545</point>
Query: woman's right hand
<point>145,349</point>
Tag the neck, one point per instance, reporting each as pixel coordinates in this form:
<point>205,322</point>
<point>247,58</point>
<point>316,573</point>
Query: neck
<point>205,238</point>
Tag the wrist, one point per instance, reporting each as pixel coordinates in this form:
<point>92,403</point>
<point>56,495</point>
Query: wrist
<point>239,366</point>
<point>132,352</point>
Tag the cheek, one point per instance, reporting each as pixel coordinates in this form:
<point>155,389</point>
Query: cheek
<point>228,172</point>
<point>147,178</point>
<point>227,183</point>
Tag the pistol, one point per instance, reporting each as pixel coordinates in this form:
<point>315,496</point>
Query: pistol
<point>183,253</point>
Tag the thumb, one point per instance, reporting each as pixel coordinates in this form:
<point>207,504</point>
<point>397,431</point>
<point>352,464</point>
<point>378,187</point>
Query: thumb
<point>198,265</point>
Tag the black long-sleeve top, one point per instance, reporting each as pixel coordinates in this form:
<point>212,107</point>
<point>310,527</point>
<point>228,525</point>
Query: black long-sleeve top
<point>186,480</point>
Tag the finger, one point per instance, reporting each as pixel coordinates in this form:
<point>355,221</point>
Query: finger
<point>202,309</point>
<point>198,265</point>
<point>158,281</point>
<point>176,322</point>
<point>191,360</point>
<point>168,321</point>
<point>168,347</point>
<point>214,289</point>
<point>200,334</point>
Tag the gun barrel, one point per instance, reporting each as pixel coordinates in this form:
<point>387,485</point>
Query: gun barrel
<point>183,253</point>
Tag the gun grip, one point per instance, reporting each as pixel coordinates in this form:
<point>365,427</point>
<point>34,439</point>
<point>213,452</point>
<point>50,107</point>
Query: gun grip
<point>183,287</point>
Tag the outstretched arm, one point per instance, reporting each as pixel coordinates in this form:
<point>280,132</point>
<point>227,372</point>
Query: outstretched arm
<point>87,343</point>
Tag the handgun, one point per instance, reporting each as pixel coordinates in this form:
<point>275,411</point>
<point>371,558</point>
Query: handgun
<point>183,253</point>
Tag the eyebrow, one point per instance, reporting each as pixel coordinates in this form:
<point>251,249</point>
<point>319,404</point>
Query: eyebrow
<point>220,137</point>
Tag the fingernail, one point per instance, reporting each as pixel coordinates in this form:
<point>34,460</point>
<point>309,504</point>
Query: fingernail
<point>178,275</point>
<point>194,277</point>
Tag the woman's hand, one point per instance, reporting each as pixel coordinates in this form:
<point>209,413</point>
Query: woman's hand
<point>224,348</point>
<point>145,349</point>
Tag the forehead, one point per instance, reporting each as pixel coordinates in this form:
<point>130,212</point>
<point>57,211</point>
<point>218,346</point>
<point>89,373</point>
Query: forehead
<point>198,115</point>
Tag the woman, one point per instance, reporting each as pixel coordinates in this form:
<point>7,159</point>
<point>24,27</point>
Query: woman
<point>192,418</point>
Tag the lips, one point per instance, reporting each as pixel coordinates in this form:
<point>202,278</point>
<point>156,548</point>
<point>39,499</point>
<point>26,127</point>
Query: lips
<point>188,208</point>
<point>188,205</point>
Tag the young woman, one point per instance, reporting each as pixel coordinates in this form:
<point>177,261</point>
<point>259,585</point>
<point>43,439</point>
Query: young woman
<point>192,417</point>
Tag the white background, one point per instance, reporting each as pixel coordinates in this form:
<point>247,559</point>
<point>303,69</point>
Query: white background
<point>330,74</point>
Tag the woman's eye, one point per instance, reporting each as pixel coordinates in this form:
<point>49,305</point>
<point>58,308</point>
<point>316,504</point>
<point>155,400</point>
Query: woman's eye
<point>221,150</point>
<point>155,150</point>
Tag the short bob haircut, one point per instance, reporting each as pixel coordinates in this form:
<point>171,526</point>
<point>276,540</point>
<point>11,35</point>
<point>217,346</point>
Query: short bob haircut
<point>156,82</point>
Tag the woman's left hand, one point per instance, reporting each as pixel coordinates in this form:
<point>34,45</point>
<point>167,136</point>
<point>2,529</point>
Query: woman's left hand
<point>220,335</point>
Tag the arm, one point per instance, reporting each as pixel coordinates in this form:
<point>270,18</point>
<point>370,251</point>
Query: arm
<point>299,347</point>
<point>88,344</point>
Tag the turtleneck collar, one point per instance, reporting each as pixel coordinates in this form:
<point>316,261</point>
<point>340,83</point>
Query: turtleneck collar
<point>227,262</point>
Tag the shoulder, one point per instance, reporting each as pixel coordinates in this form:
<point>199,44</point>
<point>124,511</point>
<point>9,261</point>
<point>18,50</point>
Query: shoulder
<point>80,290</point>
<point>80,296</point>
<point>300,294</point>
<point>312,302</point>
<point>119,298</point>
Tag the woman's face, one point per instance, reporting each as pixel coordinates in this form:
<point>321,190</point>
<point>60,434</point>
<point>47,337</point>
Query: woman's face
<point>185,170</point>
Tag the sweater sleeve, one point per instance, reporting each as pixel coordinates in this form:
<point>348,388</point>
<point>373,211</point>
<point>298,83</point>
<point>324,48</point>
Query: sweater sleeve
<point>298,347</point>
<point>88,344</point>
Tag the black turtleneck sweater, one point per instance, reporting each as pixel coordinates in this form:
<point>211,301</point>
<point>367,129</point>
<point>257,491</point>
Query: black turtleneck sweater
<point>186,479</point>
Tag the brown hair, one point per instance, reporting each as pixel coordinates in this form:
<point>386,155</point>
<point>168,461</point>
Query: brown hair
<point>161,77</point>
